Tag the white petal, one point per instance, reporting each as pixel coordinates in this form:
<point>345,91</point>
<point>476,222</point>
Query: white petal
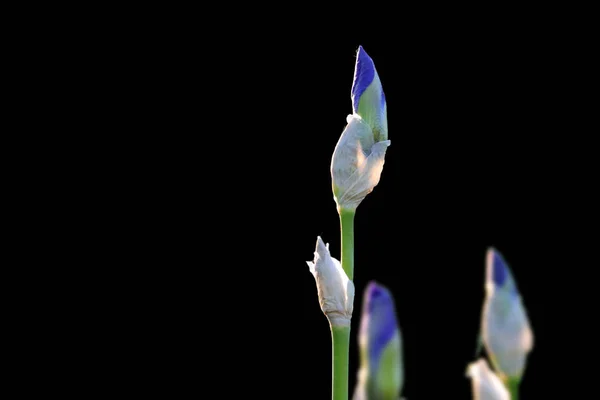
<point>335,290</point>
<point>356,164</point>
<point>360,392</point>
<point>347,284</point>
<point>311,267</point>
<point>485,384</point>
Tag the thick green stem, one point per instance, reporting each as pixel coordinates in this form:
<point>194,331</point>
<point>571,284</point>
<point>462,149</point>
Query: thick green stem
<point>347,227</point>
<point>340,339</point>
<point>513,388</point>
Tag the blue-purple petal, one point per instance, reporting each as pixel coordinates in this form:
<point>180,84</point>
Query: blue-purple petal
<point>499,272</point>
<point>501,275</point>
<point>381,316</point>
<point>364,73</point>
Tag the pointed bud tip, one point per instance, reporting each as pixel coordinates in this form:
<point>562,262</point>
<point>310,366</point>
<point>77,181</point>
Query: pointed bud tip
<point>379,297</point>
<point>497,268</point>
<point>379,324</point>
<point>374,289</point>
<point>320,242</point>
<point>364,73</point>
<point>362,54</point>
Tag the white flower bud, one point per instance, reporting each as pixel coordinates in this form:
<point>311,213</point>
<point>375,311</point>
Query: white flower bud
<point>485,384</point>
<point>335,290</point>
<point>356,164</point>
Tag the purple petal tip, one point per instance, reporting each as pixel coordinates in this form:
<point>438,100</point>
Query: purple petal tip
<point>364,73</point>
<point>499,272</point>
<point>382,324</point>
<point>498,268</point>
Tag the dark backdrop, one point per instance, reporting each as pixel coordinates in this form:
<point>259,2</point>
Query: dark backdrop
<point>488,148</point>
<point>485,152</point>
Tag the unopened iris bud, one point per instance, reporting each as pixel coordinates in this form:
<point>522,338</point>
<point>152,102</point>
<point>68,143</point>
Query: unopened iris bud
<point>381,372</point>
<point>506,333</point>
<point>368,99</point>
<point>484,383</point>
<point>359,155</point>
<point>335,290</point>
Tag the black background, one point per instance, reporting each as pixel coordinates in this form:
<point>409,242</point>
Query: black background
<point>488,148</point>
<point>484,152</point>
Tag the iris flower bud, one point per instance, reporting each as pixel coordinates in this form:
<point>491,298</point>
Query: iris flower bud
<point>359,155</point>
<point>506,333</point>
<point>335,290</point>
<point>381,372</point>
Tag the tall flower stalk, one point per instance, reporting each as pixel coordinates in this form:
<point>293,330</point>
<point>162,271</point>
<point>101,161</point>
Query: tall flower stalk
<point>356,167</point>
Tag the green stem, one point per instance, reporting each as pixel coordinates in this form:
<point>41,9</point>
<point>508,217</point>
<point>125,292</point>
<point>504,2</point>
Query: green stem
<point>340,335</point>
<point>340,339</point>
<point>347,227</point>
<point>513,388</point>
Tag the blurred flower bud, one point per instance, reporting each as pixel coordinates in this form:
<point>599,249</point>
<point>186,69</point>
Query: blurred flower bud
<point>335,290</point>
<point>381,373</point>
<point>485,384</point>
<point>507,335</point>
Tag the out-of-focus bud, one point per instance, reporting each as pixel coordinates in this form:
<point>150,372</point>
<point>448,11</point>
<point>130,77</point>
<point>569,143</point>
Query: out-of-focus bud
<point>335,290</point>
<point>485,384</point>
<point>381,372</point>
<point>359,155</point>
<point>506,333</point>
<point>368,99</point>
